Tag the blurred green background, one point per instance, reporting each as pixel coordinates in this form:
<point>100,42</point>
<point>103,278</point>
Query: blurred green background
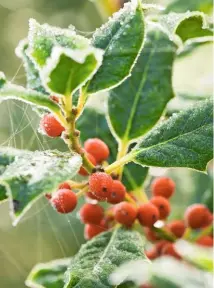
<point>42,234</point>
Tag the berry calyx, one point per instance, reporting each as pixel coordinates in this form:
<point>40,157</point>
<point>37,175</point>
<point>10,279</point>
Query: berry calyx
<point>197,216</point>
<point>91,213</point>
<point>163,186</point>
<point>91,158</point>
<point>125,213</point>
<point>117,193</point>
<point>97,148</point>
<point>148,214</point>
<point>169,249</point>
<point>64,201</point>
<point>51,126</point>
<point>205,241</point>
<point>92,230</point>
<point>100,184</point>
<point>177,227</point>
<point>163,206</point>
<point>64,185</point>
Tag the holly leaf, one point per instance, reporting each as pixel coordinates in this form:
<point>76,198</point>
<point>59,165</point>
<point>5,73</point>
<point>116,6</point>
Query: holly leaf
<point>122,39</point>
<point>135,106</point>
<point>33,173</point>
<point>98,258</point>
<point>185,140</point>
<point>134,176</point>
<point>180,6</point>
<point>48,275</point>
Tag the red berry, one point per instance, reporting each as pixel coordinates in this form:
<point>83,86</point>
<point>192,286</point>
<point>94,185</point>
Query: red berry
<point>205,241</point>
<point>163,206</point>
<point>91,213</point>
<point>97,148</point>
<point>92,230</point>
<point>91,158</point>
<point>160,245</point>
<point>148,214</point>
<point>152,253</point>
<point>51,126</point>
<point>100,184</point>
<point>118,192</point>
<point>64,201</point>
<point>177,227</point>
<point>64,185</point>
<point>125,213</point>
<point>150,235</point>
<point>169,249</point>
<point>93,196</point>
<point>197,216</point>
<point>163,186</point>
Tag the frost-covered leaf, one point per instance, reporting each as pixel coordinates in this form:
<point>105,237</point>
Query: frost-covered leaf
<point>122,39</point>
<point>98,258</point>
<point>33,173</point>
<point>48,275</point>
<point>137,104</point>
<point>12,91</point>
<point>180,6</point>
<point>67,70</point>
<point>185,140</point>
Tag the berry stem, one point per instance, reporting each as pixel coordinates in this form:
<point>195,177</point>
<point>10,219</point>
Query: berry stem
<point>187,233</point>
<point>76,185</point>
<point>164,234</point>
<point>114,166</point>
<point>140,195</point>
<point>205,232</point>
<point>129,199</point>
<point>82,192</point>
<point>81,102</point>
<point>122,151</point>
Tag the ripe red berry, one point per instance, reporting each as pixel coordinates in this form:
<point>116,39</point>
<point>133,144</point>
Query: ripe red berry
<point>163,206</point>
<point>169,250</point>
<point>125,213</point>
<point>93,196</point>
<point>160,245</point>
<point>197,216</point>
<point>97,148</point>
<point>64,185</point>
<point>151,235</point>
<point>64,201</point>
<point>148,214</point>
<point>51,126</point>
<point>100,184</point>
<point>152,253</point>
<point>92,230</point>
<point>205,241</point>
<point>177,227</point>
<point>118,192</point>
<point>163,186</point>
<point>91,213</point>
<point>91,158</point>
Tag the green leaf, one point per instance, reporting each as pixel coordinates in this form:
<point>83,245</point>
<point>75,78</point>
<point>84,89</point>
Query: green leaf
<point>33,173</point>
<point>67,70</point>
<point>185,140</point>
<point>48,275</point>
<point>12,91</point>
<point>122,39</point>
<point>98,258</point>
<point>134,176</point>
<point>180,6</point>
<point>135,106</point>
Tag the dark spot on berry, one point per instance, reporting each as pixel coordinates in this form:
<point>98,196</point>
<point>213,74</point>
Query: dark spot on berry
<point>105,189</point>
<point>161,207</point>
<point>154,217</point>
<point>113,194</point>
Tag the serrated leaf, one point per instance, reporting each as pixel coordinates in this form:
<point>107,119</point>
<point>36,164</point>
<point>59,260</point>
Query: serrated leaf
<point>67,70</point>
<point>185,140</point>
<point>98,258</point>
<point>33,173</point>
<point>48,275</point>
<point>122,39</point>
<point>180,6</point>
<point>135,106</point>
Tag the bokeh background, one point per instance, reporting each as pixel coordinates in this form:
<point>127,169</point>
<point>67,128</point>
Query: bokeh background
<point>42,234</point>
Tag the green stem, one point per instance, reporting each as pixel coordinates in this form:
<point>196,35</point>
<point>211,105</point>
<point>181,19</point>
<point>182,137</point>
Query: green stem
<point>122,151</point>
<point>114,166</point>
<point>140,195</point>
<point>81,102</point>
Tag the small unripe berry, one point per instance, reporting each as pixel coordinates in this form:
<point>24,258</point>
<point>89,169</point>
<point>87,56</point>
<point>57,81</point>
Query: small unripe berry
<point>163,206</point>
<point>163,186</point>
<point>177,227</point>
<point>51,126</point>
<point>125,213</point>
<point>205,241</point>
<point>97,148</point>
<point>148,214</point>
<point>151,235</point>
<point>91,158</point>
<point>118,192</point>
<point>100,184</point>
<point>64,185</point>
<point>197,216</point>
<point>91,213</point>
<point>92,230</point>
<point>64,201</point>
<point>152,254</point>
<point>169,250</point>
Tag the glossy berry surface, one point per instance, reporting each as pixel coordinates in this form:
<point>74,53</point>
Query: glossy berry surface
<point>118,192</point>
<point>125,213</point>
<point>97,148</point>
<point>197,216</point>
<point>64,185</point>
<point>51,126</point>
<point>169,250</point>
<point>91,213</point>
<point>148,214</point>
<point>91,158</point>
<point>64,201</point>
<point>177,227</point>
<point>92,230</point>
<point>163,186</point>
<point>205,241</point>
<point>163,206</point>
<point>100,184</point>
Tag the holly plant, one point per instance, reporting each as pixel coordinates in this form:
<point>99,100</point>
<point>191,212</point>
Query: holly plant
<point>131,57</point>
